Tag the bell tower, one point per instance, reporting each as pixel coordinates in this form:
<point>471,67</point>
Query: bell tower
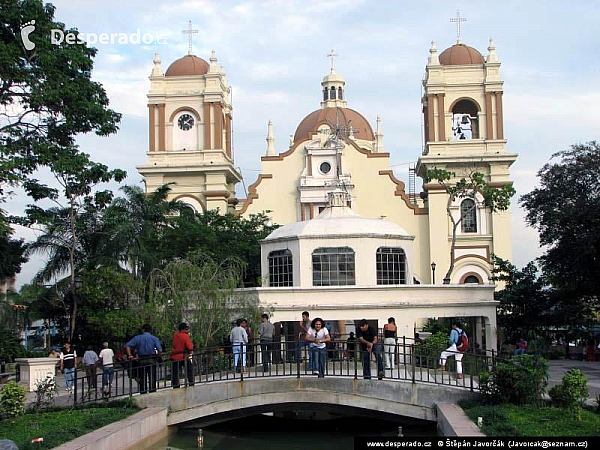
<point>463,133</point>
<point>190,118</point>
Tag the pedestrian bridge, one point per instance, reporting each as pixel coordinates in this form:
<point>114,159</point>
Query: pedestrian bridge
<point>229,399</point>
<point>219,393</point>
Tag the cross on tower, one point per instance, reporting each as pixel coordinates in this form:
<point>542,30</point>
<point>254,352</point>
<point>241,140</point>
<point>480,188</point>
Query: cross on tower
<point>332,54</point>
<point>458,20</point>
<point>189,32</point>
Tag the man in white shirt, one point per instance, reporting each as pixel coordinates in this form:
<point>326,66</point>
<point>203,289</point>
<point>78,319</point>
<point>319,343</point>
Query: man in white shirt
<point>317,335</point>
<point>108,370</point>
<point>239,341</point>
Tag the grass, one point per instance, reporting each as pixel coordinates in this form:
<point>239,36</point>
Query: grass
<point>58,426</point>
<point>529,420</point>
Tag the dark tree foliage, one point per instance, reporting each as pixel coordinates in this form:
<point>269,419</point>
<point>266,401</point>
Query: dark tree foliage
<point>526,303</point>
<point>11,256</point>
<point>221,237</point>
<point>47,96</point>
<point>565,209</point>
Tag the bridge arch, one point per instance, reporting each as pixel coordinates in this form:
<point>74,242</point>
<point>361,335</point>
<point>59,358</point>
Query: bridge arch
<point>219,401</point>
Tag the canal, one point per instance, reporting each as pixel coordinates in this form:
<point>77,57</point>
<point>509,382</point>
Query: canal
<point>265,431</point>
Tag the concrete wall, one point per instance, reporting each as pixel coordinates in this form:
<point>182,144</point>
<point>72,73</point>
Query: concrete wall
<point>240,397</point>
<point>136,431</point>
<point>452,421</point>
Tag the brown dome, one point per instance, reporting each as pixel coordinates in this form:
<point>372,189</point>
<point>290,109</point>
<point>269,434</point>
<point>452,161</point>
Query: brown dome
<point>460,54</point>
<point>311,123</point>
<point>188,65</point>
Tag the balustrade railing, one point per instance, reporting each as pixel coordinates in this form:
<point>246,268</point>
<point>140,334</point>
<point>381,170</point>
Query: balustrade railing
<point>407,360</point>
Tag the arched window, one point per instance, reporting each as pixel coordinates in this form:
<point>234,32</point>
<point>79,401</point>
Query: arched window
<point>340,94</point>
<point>325,92</point>
<point>280,268</point>
<point>465,122</point>
<point>332,94</point>
<point>468,212</point>
<point>333,266</point>
<point>472,279</point>
<point>391,265</point>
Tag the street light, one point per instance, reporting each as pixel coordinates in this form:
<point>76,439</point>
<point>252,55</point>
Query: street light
<point>433,273</point>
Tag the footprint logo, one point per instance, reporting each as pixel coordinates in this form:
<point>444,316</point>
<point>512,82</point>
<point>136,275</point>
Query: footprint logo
<point>26,30</point>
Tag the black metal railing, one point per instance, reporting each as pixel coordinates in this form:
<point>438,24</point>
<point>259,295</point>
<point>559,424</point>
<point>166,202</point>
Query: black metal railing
<point>414,362</point>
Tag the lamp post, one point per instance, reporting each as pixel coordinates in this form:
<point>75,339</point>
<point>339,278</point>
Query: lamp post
<point>432,273</point>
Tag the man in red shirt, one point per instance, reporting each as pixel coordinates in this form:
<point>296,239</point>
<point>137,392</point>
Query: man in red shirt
<point>181,350</point>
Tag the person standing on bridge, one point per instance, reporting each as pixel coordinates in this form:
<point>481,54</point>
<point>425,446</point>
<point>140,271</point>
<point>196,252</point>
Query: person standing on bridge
<point>304,327</point>
<point>318,336</point>
<point>148,350</point>
<point>368,345</point>
<point>266,331</point>
<point>239,340</point>
<point>181,350</point>
<point>455,335</point>
<point>389,341</point>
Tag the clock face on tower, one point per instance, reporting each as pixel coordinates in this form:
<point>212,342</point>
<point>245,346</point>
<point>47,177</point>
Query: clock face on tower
<point>185,122</point>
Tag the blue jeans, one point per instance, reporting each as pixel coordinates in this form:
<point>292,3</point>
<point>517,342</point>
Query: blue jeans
<point>319,358</point>
<point>366,361</point>
<point>108,372</point>
<point>239,349</point>
<point>299,355</point>
<point>69,377</point>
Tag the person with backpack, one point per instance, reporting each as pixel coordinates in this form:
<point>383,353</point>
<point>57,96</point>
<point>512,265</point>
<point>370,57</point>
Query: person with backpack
<point>458,344</point>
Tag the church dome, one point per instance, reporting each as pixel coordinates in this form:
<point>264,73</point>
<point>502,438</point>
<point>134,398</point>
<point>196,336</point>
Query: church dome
<point>339,221</point>
<point>460,54</point>
<point>311,123</point>
<point>188,65</point>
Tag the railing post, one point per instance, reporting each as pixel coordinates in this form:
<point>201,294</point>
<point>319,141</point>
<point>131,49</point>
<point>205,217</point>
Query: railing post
<point>403,356</point>
<point>75,387</point>
<point>241,361</point>
<point>130,373</point>
<point>472,374</point>
<point>413,363</point>
<point>185,367</point>
<point>354,355</point>
<point>297,363</point>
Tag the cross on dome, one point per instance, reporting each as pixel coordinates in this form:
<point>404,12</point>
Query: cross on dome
<point>189,32</point>
<point>458,20</point>
<point>332,54</point>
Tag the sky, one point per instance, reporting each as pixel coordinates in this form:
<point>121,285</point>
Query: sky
<point>275,52</point>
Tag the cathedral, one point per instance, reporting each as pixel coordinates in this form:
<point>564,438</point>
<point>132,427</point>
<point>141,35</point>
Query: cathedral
<point>349,226</point>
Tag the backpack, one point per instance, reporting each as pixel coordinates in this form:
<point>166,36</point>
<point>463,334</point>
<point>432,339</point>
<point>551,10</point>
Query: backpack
<point>463,342</point>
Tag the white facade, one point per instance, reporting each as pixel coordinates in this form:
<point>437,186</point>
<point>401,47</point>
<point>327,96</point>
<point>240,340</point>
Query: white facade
<point>336,148</point>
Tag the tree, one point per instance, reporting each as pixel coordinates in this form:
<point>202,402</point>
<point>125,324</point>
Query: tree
<point>222,237</point>
<point>135,226</point>
<point>494,199</point>
<point>47,96</point>
<point>526,300</point>
<point>69,226</point>
<point>201,291</point>
<point>565,209</point>
<point>11,255</point>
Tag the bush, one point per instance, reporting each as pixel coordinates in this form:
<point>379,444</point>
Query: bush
<point>45,391</point>
<point>12,400</point>
<point>521,380</point>
<point>572,392</point>
<point>428,352</point>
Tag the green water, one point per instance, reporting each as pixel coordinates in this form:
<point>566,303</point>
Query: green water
<point>266,432</point>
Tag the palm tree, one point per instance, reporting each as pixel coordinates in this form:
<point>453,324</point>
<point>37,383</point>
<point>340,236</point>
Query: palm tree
<point>134,225</point>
